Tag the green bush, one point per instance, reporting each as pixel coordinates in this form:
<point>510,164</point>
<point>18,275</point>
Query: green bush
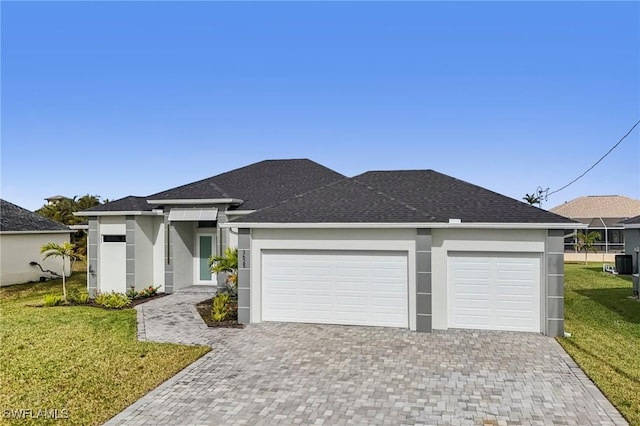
<point>113,300</point>
<point>132,293</point>
<point>149,291</point>
<point>52,300</point>
<point>83,298</point>
<point>219,309</point>
<point>78,297</point>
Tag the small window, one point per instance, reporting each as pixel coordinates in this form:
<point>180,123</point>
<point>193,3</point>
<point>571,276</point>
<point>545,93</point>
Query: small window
<point>207,223</point>
<point>114,238</point>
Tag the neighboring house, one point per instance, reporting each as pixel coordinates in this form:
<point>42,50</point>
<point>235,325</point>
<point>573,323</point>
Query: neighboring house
<point>55,199</point>
<point>22,233</point>
<point>632,247</point>
<point>603,214</point>
<point>411,249</point>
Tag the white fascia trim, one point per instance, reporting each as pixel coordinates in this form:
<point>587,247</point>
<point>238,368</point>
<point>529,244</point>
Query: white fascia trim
<point>70,231</point>
<point>436,225</point>
<point>238,212</point>
<point>120,213</point>
<point>198,201</point>
<point>78,227</point>
<point>631,226</point>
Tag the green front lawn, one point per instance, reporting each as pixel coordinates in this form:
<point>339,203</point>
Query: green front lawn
<point>605,333</point>
<point>84,360</point>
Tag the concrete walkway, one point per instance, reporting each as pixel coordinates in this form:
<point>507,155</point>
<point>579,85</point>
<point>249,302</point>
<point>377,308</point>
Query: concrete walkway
<point>276,373</point>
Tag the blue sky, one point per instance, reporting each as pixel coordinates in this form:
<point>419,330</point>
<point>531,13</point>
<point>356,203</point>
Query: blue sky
<point>119,98</point>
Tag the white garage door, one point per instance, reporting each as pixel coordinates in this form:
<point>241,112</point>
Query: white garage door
<point>335,287</point>
<point>494,291</point>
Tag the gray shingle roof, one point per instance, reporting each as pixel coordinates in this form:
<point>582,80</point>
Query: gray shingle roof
<point>446,197</point>
<point>632,221</point>
<point>129,204</point>
<point>259,185</point>
<point>16,219</point>
<point>402,196</point>
<point>344,201</point>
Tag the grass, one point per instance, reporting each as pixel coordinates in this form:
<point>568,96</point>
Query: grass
<point>82,359</point>
<point>605,333</point>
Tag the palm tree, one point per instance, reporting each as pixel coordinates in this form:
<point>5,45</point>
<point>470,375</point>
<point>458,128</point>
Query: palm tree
<point>531,199</point>
<point>228,263</point>
<point>64,251</point>
<point>587,243</point>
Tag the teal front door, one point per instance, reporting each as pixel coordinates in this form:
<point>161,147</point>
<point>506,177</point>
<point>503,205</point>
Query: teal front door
<point>205,248</point>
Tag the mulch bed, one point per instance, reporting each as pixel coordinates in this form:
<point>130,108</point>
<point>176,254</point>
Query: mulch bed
<point>93,304</point>
<point>204,309</point>
<point>146,299</point>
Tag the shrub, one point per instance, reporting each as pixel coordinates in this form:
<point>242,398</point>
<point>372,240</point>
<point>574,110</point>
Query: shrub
<point>78,297</point>
<point>72,294</point>
<point>52,300</point>
<point>83,298</point>
<point>132,293</point>
<point>113,300</point>
<point>219,308</point>
<point>149,291</point>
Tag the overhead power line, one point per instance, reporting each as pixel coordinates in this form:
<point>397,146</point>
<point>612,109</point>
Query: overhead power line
<point>597,162</point>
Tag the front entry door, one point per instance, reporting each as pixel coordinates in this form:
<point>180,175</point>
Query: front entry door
<point>205,247</point>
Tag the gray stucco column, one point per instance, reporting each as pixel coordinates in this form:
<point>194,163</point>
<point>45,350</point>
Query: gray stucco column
<point>131,252</point>
<point>169,237</point>
<point>92,256</point>
<point>555,283</point>
<point>222,235</point>
<point>244,276</point>
<point>423,280</point>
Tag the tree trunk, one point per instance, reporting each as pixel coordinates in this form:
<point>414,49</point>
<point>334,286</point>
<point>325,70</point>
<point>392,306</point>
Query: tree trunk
<point>64,282</point>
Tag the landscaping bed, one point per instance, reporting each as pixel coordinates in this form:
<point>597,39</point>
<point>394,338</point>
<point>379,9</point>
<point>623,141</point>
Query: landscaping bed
<point>604,322</point>
<point>92,303</point>
<point>204,309</point>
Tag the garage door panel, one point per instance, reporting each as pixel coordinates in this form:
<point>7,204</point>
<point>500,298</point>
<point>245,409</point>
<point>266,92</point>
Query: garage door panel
<point>497,291</point>
<point>335,287</point>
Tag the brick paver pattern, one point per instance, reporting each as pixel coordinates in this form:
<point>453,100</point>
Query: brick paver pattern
<point>277,373</point>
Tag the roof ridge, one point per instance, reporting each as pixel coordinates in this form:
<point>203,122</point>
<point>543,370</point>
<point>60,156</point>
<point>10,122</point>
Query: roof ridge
<point>219,188</point>
<point>279,203</point>
<point>390,197</point>
<point>209,180</point>
<point>354,180</point>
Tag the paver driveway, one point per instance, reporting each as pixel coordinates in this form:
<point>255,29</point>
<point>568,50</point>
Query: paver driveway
<point>275,373</point>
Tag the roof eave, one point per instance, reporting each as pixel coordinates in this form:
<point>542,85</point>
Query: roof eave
<point>238,212</point>
<point>119,213</point>
<point>235,201</point>
<point>631,225</point>
<point>398,225</point>
<point>57,231</point>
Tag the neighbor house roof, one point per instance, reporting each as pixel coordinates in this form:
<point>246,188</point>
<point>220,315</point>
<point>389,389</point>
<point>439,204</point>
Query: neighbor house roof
<point>16,219</point>
<point>258,185</point>
<point>126,204</point>
<point>604,206</point>
<point>57,197</point>
<point>412,196</point>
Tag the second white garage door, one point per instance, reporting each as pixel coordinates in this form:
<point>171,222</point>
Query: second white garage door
<point>494,291</point>
<point>335,287</point>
